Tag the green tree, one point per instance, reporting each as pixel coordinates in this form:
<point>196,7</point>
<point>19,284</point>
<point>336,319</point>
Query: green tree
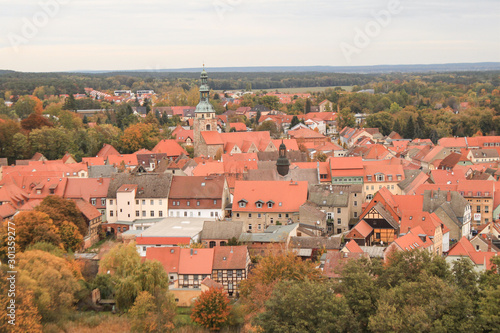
<point>381,120</point>
<point>294,121</point>
<point>346,118</point>
<point>121,261</point>
<point>212,310</point>
<point>306,306</point>
<point>269,126</point>
<point>409,130</point>
<point>53,143</point>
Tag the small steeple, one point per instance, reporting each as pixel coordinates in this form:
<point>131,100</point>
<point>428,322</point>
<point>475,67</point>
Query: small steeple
<point>283,164</point>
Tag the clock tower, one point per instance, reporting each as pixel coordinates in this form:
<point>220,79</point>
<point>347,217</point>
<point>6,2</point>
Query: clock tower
<point>204,115</point>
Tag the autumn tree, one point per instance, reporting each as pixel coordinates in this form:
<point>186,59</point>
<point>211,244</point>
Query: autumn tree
<point>271,269</point>
<point>27,318</point>
<point>61,210</point>
<point>137,136</point>
<point>211,310</point>
<point>122,260</point>
<point>153,313</point>
<point>33,227</point>
<point>53,281</point>
<point>35,121</point>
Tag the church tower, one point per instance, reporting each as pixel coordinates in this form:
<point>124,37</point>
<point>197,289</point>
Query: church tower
<point>204,116</point>
<point>283,164</point>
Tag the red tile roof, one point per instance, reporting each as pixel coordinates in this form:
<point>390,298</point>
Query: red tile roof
<point>239,127</point>
<point>106,151</point>
<point>285,196</point>
<point>93,161</point>
<point>162,240</point>
<point>128,159</point>
<point>353,247</point>
<point>209,168</point>
<point>464,248</point>
<point>196,261</point>
<point>230,257</point>
<point>197,187</point>
<point>305,133</point>
<point>88,210</point>
<point>167,256</point>
<point>170,147</point>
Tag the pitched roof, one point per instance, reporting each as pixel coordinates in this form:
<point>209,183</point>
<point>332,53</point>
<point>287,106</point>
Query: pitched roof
<point>140,240</point>
<point>149,185</point>
<point>353,247</point>
<point>128,159</point>
<point>211,187</point>
<point>88,210</point>
<point>167,256</point>
<point>209,168</point>
<point>196,261</point>
<point>106,151</point>
<point>285,196</point>
<point>335,260</point>
<point>305,133</point>
<point>239,127</point>
<point>170,147</point>
<point>230,257</point>
<point>86,188</point>
<point>363,228</point>
<point>464,248</point>
<point>222,230</point>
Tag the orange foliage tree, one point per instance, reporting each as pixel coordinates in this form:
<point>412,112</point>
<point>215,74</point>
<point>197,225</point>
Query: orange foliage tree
<point>60,210</point>
<point>212,310</point>
<point>27,318</point>
<point>276,267</point>
<point>139,136</point>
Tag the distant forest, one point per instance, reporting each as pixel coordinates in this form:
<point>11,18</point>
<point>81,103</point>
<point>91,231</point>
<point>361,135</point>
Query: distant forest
<point>18,83</point>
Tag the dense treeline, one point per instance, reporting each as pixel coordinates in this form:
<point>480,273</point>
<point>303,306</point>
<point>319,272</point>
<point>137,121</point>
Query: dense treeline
<point>66,83</point>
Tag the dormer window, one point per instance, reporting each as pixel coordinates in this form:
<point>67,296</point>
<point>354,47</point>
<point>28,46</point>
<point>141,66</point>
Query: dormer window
<point>380,178</point>
<point>242,203</point>
<point>389,178</point>
<point>270,204</point>
<point>369,178</point>
<point>399,177</point>
<point>259,204</point>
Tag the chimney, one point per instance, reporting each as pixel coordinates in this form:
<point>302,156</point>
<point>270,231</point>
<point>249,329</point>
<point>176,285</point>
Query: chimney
<point>99,180</point>
<point>191,251</point>
<point>231,249</point>
<point>448,196</point>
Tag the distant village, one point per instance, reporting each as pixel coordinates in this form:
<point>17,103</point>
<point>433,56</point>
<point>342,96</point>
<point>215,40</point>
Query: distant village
<point>326,193</point>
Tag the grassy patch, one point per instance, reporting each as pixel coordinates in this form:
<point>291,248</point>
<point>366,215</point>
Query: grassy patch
<point>90,322</point>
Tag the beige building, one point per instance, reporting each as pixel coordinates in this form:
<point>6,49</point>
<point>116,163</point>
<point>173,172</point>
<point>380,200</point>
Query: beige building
<point>135,197</point>
<point>378,176</point>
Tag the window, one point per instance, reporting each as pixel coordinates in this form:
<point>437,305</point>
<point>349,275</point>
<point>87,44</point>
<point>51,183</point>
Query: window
<point>369,197</point>
<point>211,244</point>
<point>152,213</point>
<point>389,178</point>
<point>369,178</point>
<point>269,205</point>
<point>367,187</point>
<point>178,203</point>
<point>329,215</point>
<point>486,209</point>
<point>286,215</point>
<point>373,187</point>
<point>230,286</point>
<point>171,213</point>
<point>173,203</point>
<point>93,201</point>
<point>355,214</point>
<point>160,202</point>
<point>249,214</point>
<point>143,202</point>
<point>259,226</point>
<point>279,215</point>
<point>478,209</point>
<point>339,210</point>
<point>239,273</point>
<point>137,202</point>
<point>339,230</point>
<point>144,213</point>
<point>216,213</point>
<point>399,177</point>
<point>249,227</point>
<point>197,203</point>
<point>199,213</point>
<point>160,213</point>
<point>188,203</point>
<point>143,249</point>
<point>259,204</point>
<point>237,214</point>
<point>185,213</point>
<point>259,215</point>
<point>380,178</point>
<point>211,214</point>
<point>230,274</point>
<point>121,210</point>
<point>137,213</point>
<point>377,235</point>
<point>110,202</point>
<point>215,202</point>
<point>110,213</point>
<point>128,203</point>
<point>103,202</point>
<point>119,229</point>
<point>339,221</point>
<point>152,202</point>
<point>219,273</point>
<point>242,204</point>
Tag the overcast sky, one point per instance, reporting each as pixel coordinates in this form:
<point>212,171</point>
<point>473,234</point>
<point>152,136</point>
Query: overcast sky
<point>123,35</point>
